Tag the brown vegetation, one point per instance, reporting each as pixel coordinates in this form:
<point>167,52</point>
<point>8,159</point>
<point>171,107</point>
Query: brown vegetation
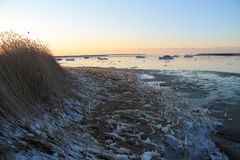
<point>29,74</point>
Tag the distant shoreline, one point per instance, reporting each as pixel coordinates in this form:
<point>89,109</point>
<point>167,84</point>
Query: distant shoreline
<point>136,54</point>
<point>99,55</point>
<point>124,54</point>
<point>218,54</point>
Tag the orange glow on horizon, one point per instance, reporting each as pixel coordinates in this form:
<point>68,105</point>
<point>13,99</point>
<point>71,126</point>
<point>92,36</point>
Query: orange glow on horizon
<point>148,51</point>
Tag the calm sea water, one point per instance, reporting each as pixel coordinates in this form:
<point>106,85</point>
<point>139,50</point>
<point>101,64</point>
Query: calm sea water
<point>197,63</point>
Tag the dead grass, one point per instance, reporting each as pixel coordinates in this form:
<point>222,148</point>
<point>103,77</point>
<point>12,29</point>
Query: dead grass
<point>29,74</point>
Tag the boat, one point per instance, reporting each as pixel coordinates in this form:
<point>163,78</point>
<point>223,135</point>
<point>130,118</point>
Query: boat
<point>188,56</point>
<point>140,56</point>
<point>176,56</point>
<point>102,58</point>
<point>166,57</point>
<point>86,57</point>
<point>70,59</point>
<point>135,67</point>
<point>59,59</point>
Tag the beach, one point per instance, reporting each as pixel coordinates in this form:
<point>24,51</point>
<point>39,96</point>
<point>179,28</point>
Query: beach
<point>120,80</point>
<point>50,110</point>
<point>207,81</point>
<point>216,91</point>
<point>115,114</point>
<point>131,118</point>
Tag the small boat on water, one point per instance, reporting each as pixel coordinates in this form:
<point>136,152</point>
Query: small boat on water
<point>140,56</point>
<point>176,56</point>
<point>70,59</point>
<point>86,57</point>
<point>102,58</point>
<point>188,56</point>
<point>166,57</point>
<point>134,67</point>
<point>59,59</point>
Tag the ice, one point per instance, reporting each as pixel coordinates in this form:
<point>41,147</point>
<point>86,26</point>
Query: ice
<point>149,155</point>
<point>174,142</point>
<point>161,123</point>
<point>147,141</point>
<point>165,129</point>
<point>21,158</point>
<point>123,150</point>
<point>146,76</point>
<point>36,157</point>
<point>116,135</point>
<point>121,157</point>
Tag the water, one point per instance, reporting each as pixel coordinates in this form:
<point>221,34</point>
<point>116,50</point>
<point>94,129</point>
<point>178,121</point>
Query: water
<point>197,63</point>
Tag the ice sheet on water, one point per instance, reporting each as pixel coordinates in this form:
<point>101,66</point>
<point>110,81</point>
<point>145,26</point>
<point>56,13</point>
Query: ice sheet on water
<point>219,84</point>
<point>146,76</point>
<point>193,120</point>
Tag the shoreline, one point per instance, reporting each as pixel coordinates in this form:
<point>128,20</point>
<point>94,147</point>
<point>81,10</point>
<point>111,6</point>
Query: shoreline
<point>51,112</point>
<point>172,101</point>
<point>223,137</point>
<point>97,55</point>
<point>214,64</point>
<point>115,114</point>
<point>221,110</point>
<point>218,54</point>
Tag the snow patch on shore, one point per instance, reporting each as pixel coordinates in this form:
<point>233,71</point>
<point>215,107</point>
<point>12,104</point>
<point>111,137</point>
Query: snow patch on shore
<point>195,121</point>
<point>168,128</point>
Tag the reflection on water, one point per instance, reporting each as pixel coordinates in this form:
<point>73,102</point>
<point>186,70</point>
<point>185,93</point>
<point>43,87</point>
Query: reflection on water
<point>203,63</point>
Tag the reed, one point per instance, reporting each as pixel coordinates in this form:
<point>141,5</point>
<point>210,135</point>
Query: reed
<point>29,74</point>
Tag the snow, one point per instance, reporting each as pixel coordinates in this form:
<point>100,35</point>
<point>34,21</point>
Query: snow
<point>149,155</point>
<point>116,135</point>
<point>123,150</point>
<point>146,76</point>
<point>21,158</point>
<point>195,121</point>
<point>165,122</point>
<point>121,157</point>
<point>174,142</point>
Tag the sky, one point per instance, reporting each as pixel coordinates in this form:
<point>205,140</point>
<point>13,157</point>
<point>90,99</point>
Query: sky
<point>71,27</point>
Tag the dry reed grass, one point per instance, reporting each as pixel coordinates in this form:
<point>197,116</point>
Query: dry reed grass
<point>29,74</point>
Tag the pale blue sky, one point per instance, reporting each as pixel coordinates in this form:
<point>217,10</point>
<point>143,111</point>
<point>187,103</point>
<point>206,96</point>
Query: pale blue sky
<point>96,26</point>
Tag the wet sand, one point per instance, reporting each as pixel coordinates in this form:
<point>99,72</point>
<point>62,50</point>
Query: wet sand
<point>223,107</point>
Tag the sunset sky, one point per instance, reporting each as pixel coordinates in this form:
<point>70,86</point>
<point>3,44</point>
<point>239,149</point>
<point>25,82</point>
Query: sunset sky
<point>73,27</point>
